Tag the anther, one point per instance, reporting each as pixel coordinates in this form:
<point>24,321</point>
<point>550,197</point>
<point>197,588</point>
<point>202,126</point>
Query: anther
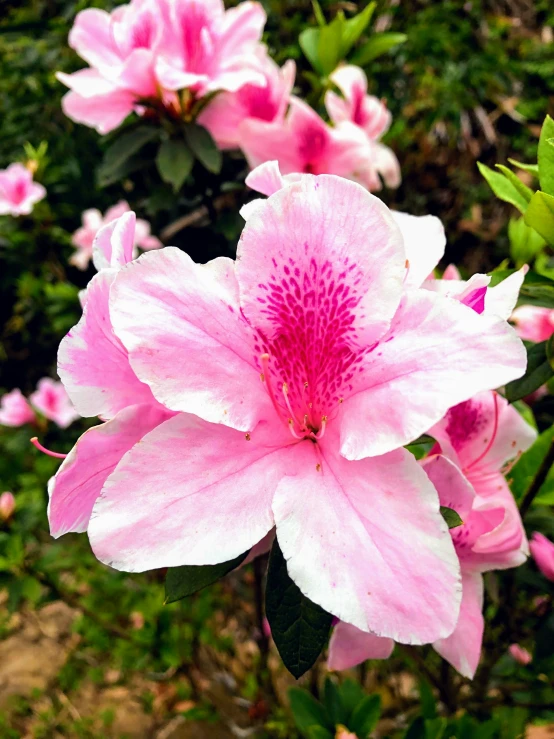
<point>247,437</point>
<point>321,431</point>
<point>39,446</point>
<point>293,430</point>
<point>287,403</point>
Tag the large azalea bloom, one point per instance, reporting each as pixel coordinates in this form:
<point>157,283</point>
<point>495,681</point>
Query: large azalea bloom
<point>297,373</point>
<point>481,436</point>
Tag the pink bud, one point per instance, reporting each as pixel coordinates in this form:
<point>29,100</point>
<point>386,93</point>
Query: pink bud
<point>343,733</point>
<point>520,654</point>
<point>7,505</point>
<point>542,550</point>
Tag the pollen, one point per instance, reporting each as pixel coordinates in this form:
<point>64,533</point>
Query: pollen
<point>318,467</point>
<point>247,437</point>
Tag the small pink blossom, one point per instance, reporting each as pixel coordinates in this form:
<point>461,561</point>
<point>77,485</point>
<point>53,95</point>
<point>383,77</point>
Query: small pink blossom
<point>273,369</point>
<point>18,192</point>
<point>50,399</point>
<point>224,115</point>
<point>93,221</point>
<point>343,733</point>
<point>7,505</point>
<point>533,323</point>
<point>145,50</point>
<point>304,143</point>
<point>542,550</point>
<point>520,654</point>
<point>15,410</point>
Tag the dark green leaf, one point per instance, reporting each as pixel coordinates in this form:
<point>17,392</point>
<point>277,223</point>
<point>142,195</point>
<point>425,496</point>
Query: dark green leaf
<point>299,627</point>
<point>188,579</point>
<point>365,716</point>
<point>427,700</point>
<point>451,517</point>
<point>351,694</point>
<point>524,470</point>
<point>546,156</point>
<point>174,162</point>
<point>537,290</point>
<point>378,44</point>
<point>540,215</point>
<point>333,702</point>
<point>503,188</point>
<point>307,711</point>
<point>354,27</point>
<point>204,147</point>
<point>123,148</point>
<point>318,732</point>
<point>416,729</point>
<point>434,728</point>
<point>538,372</point>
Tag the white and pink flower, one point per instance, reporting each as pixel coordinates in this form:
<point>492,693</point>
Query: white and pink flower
<point>18,192</point>
<point>285,385</point>
<point>15,409</point>
<point>51,399</point>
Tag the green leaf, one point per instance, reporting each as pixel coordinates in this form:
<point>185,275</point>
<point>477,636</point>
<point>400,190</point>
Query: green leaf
<point>351,694</point>
<point>309,40</point>
<point>188,579</point>
<point>533,168</point>
<point>524,470</point>
<point>318,732</point>
<point>378,44</point>
<point>333,702</point>
<point>521,187</point>
<point>503,188</point>
<point>318,13</point>
<point>365,716</point>
<point>540,215</point>
<point>427,700</point>
<point>538,372</point>
<point>451,517</point>
<point>525,242</point>
<point>174,161</point>
<point>329,44</point>
<point>354,27</point>
<point>307,711</point>
<point>435,727</point>
<point>537,290</point>
<point>299,627</point>
<point>123,148</point>
<point>204,147</point>
<point>416,729</point>
<point>546,156</point>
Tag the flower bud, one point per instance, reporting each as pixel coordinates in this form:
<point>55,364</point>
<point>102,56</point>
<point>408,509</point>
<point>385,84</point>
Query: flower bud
<point>7,505</point>
<point>520,654</point>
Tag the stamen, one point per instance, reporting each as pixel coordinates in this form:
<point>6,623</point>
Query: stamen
<point>287,402</point>
<point>321,431</point>
<point>493,436</point>
<point>293,430</point>
<point>308,406</point>
<point>39,446</point>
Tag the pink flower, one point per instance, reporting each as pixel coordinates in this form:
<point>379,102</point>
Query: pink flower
<point>93,221</point>
<point>50,398</point>
<point>533,323</point>
<point>366,111</point>
<point>520,654</point>
<point>18,192</point>
<point>7,505</point>
<point>148,48</point>
<point>542,550</point>
<point>94,367</point>
<point>268,102</point>
<point>296,373</point>
<point>304,143</point>
<point>343,733</point>
<point>15,410</point>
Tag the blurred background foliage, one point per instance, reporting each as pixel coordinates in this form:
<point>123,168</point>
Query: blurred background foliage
<point>473,81</point>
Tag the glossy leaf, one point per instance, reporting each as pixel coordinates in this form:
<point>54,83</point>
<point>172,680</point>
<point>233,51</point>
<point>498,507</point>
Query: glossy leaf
<point>309,40</point>
<point>525,242</point>
<point>333,702</point>
<point>537,373</point>
<point>523,472</point>
<point>204,147</point>
<point>307,711</point>
<point>354,27</point>
<point>532,168</point>
<point>540,215</point>
<point>299,627</point>
<point>123,148</point>
<point>365,716</point>
<point>520,186</point>
<point>174,162</point>
<point>181,582</point>
<point>546,156</point>
<point>503,188</point>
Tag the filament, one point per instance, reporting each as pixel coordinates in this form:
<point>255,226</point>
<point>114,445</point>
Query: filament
<point>43,449</point>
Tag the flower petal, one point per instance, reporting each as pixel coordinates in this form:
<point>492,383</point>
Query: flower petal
<point>454,489</point>
<point>80,478</point>
<point>462,649</point>
<point>93,364</point>
<point>182,325</point>
<point>365,540</point>
<point>437,353</point>
<point>349,647</point>
<point>424,242</point>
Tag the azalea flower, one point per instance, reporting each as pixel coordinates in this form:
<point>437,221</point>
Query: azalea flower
<point>304,143</point>
<point>520,654</point>
<point>368,113</point>
<point>479,437</point>
<point>533,323</point>
<point>18,192</point>
<point>7,505</point>
<point>50,398</point>
<point>296,374</point>
<point>542,550</point>
<point>268,102</point>
<point>143,51</point>
<point>15,410</point>
<point>93,221</point>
